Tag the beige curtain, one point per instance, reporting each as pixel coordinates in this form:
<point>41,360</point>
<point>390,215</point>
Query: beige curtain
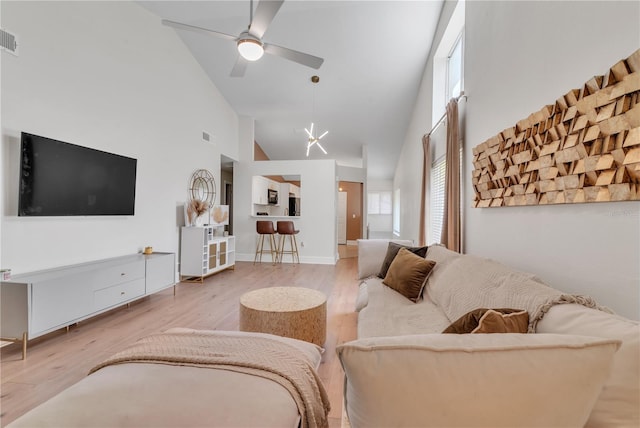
<point>426,171</point>
<point>451,220</point>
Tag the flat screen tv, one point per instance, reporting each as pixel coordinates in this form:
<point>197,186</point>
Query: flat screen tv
<point>62,179</point>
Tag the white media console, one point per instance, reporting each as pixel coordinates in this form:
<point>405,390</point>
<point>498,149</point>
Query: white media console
<point>36,303</point>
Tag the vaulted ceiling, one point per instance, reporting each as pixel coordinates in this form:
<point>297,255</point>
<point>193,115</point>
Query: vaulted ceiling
<point>374,57</point>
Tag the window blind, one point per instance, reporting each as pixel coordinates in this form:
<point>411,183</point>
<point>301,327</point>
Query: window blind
<point>436,198</point>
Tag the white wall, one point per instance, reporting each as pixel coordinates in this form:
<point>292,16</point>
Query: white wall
<point>318,197</point>
<point>514,66</point>
<point>408,175</point>
<point>106,75</point>
<point>520,56</point>
<point>2,180</point>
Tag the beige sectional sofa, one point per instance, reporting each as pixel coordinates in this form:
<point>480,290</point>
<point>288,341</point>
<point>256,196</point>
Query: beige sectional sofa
<point>580,368</point>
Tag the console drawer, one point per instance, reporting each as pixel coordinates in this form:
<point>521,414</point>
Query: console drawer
<point>117,294</point>
<point>118,274</point>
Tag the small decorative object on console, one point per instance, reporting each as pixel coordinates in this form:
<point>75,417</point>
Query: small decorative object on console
<point>219,215</point>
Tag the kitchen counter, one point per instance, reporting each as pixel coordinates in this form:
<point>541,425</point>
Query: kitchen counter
<point>276,217</point>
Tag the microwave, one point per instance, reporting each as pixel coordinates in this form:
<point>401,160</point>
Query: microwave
<point>272,197</point>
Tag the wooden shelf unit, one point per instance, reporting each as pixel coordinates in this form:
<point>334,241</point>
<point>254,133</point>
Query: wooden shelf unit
<point>203,254</point>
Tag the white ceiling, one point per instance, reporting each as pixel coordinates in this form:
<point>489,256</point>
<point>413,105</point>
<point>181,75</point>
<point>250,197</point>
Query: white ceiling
<point>374,57</point>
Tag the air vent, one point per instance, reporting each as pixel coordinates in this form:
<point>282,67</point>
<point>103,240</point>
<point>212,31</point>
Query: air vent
<point>206,136</point>
<point>8,42</point>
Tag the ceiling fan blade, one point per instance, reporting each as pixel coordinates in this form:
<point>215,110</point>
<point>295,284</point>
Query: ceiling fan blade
<point>239,67</point>
<point>265,12</point>
<point>197,29</point>
<point>295,56</point>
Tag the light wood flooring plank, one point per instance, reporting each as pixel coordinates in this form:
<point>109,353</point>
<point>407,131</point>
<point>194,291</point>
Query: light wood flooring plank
<point>60,359</point>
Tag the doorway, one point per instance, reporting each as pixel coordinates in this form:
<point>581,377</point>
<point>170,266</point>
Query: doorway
<point>226,198</point>
<point>349,217</point>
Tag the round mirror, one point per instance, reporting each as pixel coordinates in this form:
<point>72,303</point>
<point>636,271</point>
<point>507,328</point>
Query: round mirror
<point>202,196</point>
<point>203,187</point>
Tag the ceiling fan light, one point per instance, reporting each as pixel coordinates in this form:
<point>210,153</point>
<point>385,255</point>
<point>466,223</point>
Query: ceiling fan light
<point>250,49</point>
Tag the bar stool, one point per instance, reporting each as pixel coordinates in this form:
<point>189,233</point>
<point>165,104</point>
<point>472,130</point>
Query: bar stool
<point>265,227</point>
<point>284,229</point>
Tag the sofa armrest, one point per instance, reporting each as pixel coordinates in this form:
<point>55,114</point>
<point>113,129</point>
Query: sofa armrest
<point>474,380</point>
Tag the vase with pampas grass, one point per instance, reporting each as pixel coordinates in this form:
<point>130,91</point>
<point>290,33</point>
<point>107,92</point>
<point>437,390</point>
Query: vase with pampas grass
<point>195,208</point>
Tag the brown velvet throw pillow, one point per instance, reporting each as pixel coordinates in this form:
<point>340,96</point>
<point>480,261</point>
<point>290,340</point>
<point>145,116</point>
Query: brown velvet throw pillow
<point>392,251</point>
<point>483,320</point>
<point>496,322</point>
<point>408,274</point>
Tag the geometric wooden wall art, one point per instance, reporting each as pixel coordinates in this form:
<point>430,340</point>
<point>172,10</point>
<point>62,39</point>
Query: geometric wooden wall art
<point>583,148</point>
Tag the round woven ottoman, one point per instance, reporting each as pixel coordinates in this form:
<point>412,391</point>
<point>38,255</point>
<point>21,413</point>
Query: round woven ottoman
<point>299,313</point>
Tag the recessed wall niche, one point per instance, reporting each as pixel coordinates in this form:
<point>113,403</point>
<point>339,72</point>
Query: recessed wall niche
<point>583,148</point>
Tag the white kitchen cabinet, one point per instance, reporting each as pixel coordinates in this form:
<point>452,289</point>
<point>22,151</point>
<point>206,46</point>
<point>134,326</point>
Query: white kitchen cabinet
<point>36,303</point>
<point>273,185</point>
<point>259,190</point>
<point>203,254</point>
<point>289,190</point>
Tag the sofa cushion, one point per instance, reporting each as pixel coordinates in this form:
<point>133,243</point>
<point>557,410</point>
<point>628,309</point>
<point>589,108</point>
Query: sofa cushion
<point>388,313</point>
<point>619,402</point>
<point>507,378</point>
<point>483,320</point>
<point>463,283</point>
<point>362,299</point>
<point>408,273</point>
<point>392,252</point>
<point>371,254</point>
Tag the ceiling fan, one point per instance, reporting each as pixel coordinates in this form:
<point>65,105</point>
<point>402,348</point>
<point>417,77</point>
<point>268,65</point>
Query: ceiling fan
<point>249,42</point>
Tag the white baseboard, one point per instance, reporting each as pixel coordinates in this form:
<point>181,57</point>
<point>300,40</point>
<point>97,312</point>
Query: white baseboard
<point>287,260</point>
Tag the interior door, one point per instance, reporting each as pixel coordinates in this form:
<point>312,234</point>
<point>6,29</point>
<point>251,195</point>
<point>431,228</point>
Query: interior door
<point>342,217</point>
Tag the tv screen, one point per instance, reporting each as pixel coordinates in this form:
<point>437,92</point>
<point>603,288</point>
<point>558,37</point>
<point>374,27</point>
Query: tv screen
<point>62,179</point>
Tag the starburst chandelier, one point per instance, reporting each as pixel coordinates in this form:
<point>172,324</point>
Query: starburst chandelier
<point>312,138</point>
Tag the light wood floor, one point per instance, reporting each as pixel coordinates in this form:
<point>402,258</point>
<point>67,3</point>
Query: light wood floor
<point>347,251</point>
<point>60,359</point>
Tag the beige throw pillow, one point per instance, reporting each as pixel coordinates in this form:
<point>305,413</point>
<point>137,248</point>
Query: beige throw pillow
<point>408,273</point>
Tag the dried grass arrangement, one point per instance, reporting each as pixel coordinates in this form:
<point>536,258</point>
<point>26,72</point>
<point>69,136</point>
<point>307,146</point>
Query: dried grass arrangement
<point>195,208</point>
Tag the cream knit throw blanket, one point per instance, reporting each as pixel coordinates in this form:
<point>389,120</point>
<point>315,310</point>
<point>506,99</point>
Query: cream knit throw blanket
<point>471,282</point>
<point>258,356</point>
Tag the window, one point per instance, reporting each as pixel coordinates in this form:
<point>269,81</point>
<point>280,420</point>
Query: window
<point>379,202</point>
<point>448,83</point>
<point>454,69</point>
<point>396,212</point>
<point>448,64</point>
<point>436,207</point>
<point>436,202</point>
